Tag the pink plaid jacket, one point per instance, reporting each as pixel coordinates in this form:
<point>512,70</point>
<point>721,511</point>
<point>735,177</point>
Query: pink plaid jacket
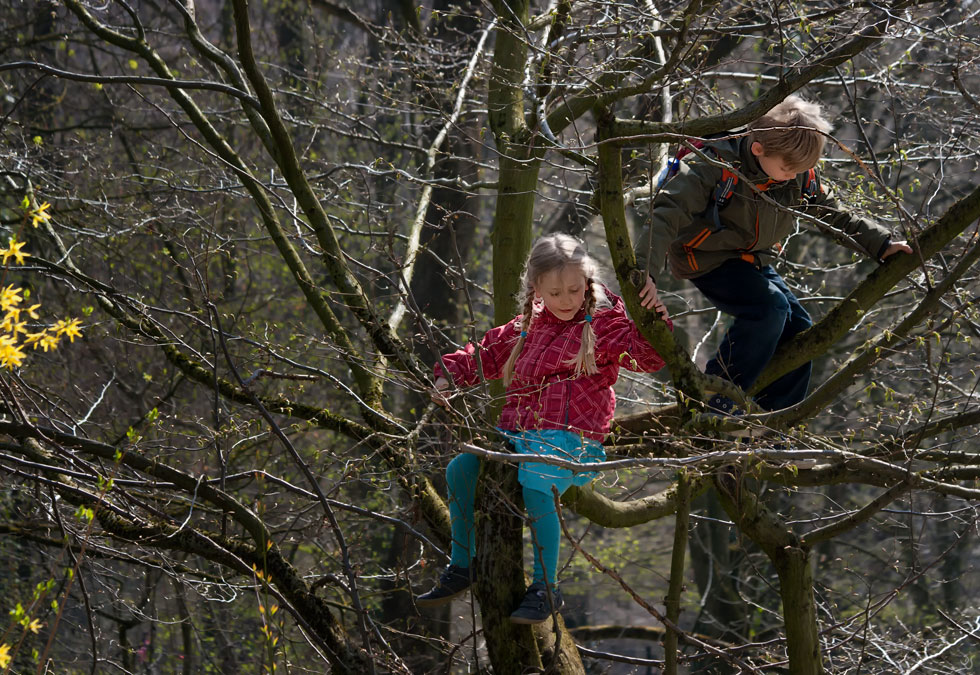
<point>545,393</point>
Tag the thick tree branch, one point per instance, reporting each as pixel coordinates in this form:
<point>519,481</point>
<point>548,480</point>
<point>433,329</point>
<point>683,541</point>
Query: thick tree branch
<point>818,339</point>
<point>601,510</point>
<point>880,348</point>
<point>791,558</point>
<point>686,376</point>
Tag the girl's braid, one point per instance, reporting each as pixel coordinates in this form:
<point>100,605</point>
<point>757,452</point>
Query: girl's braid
<point>590,300</point>
<point>584,361</point>
<point>525,328</point>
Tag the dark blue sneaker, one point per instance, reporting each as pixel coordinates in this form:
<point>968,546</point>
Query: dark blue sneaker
<point>536,605</point>
<point>452,583</point>
<point>721,410</point>
<point>722,406</point>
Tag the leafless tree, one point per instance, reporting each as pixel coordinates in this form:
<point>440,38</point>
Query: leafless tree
<point>271,219</point>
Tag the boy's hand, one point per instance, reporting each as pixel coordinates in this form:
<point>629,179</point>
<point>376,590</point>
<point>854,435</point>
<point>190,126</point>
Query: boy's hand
<point>437,393</point>
<point>650,300</point>
<point>895,247</point>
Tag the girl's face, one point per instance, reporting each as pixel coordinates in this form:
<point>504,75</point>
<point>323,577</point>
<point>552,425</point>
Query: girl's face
<point>563,291</point>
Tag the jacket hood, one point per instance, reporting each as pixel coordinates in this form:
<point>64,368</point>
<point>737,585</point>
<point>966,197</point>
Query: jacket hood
<point>738,152</point>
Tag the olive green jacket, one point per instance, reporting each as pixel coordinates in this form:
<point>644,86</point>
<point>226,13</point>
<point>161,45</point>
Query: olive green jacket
<point>684,231</point>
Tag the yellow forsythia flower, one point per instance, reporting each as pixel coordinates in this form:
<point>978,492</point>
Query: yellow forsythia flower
<point>11,355</point>
<point>5,657</point>
<point>49,341</point>
<point>10,297</point>
<point>11,325</point>
<point>69,327</point>
<point>14,251</point>
<point>40,214</point>
<point>42,339</point>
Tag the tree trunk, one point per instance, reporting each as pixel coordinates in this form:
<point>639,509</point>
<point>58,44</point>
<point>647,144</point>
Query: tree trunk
<point>673,604</point>
<point>511,237</point>
<point>519,160</point>
<point>791,558</point>
<point>799,611</point>
<point>723,611</point>
<point>500,569</point>
<point>501,583</point>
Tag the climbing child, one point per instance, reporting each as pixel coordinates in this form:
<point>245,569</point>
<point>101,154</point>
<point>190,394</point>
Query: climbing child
<point>719,222</point>
<point>559,360</point>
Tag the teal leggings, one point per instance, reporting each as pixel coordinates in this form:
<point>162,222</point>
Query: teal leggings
<point>461,475</point>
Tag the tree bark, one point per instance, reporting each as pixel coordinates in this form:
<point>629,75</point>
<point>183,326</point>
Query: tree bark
<point>631,278</point>
<point>500,576</point>
<point>791,558</point>
<point>673,602</point>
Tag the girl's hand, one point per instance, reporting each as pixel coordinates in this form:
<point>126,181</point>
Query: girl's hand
<point>895,247</point>
<point>437,393</point>
<point>650,300</point>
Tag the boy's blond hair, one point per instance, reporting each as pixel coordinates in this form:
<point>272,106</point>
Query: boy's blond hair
<point>794,131</point>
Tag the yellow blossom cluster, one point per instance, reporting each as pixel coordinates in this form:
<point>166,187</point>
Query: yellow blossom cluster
<point>32,625</point>
<point>14,251</point>
<point>37,214</point>
<point>14,333</point>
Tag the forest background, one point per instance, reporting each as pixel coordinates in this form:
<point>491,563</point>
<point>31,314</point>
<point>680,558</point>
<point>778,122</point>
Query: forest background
<point>237,236</point>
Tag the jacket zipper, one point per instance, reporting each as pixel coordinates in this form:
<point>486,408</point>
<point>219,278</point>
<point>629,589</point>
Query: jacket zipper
<point>693,244</point>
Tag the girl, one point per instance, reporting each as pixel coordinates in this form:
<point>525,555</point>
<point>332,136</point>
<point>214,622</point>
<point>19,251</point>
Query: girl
<point>559,361</point>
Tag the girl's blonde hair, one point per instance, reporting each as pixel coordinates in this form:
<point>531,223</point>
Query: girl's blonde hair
<point>554,253</point>
<point>794,130</point>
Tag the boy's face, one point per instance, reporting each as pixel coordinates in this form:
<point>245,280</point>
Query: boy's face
<point>563,291</point>
<point>774,165</point>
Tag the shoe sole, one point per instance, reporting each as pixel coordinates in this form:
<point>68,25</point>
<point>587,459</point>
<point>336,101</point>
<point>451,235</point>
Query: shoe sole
<point>526,621</point>
<point>731,426</point>
<point>435,602</point>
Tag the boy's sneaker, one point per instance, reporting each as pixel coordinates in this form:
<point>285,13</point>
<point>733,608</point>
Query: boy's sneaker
<point>723,406</point>
<point>536,607</point>
<point>721,409</point>
<point>452,583</point>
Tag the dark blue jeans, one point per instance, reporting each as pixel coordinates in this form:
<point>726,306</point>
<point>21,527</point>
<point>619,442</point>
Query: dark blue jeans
<point>767,314</point>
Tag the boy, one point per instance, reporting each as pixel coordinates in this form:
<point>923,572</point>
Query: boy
<point>719,229</point>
